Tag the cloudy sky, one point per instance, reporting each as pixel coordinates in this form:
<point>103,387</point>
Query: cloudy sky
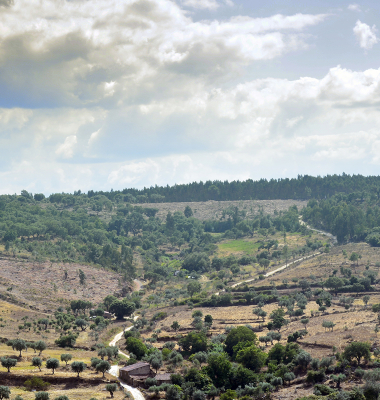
<point>101,94</point>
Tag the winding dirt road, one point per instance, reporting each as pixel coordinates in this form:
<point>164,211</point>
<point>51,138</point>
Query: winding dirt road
<point>136,394</point>
<point>270,273</point>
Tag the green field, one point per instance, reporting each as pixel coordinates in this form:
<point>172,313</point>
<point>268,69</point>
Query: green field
<point>238,246</point>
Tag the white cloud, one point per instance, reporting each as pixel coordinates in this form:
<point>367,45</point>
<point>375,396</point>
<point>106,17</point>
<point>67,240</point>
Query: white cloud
<point>206,4</point>
<point>66,149</point>
<point>291,122</point>
<point>115,93</point>
<point>365,35</point>
<point>354,7</point>
<point>94,136</point>
<point>107,52</point>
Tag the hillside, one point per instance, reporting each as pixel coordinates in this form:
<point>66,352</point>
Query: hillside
<point>194,274</point>
<point>211,209</point>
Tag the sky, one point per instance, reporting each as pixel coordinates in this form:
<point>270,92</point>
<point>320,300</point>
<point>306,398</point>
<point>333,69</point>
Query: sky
<point>101,94</point>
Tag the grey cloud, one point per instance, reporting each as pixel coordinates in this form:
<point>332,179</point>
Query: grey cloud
<point>6,3</point>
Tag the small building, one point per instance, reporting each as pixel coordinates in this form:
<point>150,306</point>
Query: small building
<point>136,374</point>
<point>163,378</point>
<point>108,315</point>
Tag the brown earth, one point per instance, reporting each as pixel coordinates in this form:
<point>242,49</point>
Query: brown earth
<point>42,286</point>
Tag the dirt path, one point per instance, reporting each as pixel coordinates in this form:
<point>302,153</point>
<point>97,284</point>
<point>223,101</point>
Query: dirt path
<point>136,394</point>
<point>270,273</point>
<point>120,335</point>
<point>138,284</point>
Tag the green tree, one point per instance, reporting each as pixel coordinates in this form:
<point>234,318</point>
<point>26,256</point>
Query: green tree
<point>136,346</point>
<point>66,358</point>
<point>81,323</point>
<point>218,368</point>
<point>173,392</point>
<point>175,325</point>
<point>122,308</point>
<point>334,283</point>
<point>357,350</point>
<point>289,376</point>
<point>103,366</point>
<point>19,345</point>
<point>111,387</point>
<point>4,392</point>
<point>354,257</point>
<point>240,334</point>
<point>194,342</point>
<point>278,319</point>
<point>338,379</point>
<point>37,362</point>
<point>40,345</point>
<point>108,301</point>
<point>82,277</point>
<point>8,363</point>
<point>193,287</point>
<point>52,363</point>
<point>251,357</point>
<point>188,212</point>
<point>196,262</point>
<point>229,394</point>
<point>78,367</point>
<point>44,322</point>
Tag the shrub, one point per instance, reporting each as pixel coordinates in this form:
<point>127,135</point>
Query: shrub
<point>36,383</point>
<point>314,377</point>
<point>150,382</point>
<point>41,396</point>
<point>324,390</point>
<point>159,316</point>
<point>66,341</point>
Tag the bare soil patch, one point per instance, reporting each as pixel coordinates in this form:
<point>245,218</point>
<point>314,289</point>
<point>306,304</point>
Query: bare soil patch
<point>42,286</point>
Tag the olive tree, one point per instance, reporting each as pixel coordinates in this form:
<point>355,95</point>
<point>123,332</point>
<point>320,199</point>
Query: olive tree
<point>37,362</point>
<point>111,387</point>
<point>4,392</point>
<point>103,366</point>
<point>66,358</point>
<point>52,363</point>
<point>8,363</point>
<point>78,367</point>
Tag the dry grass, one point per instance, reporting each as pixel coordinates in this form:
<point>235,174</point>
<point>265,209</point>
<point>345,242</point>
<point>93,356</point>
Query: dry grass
<point>213,209</point>
<point>42,285</point>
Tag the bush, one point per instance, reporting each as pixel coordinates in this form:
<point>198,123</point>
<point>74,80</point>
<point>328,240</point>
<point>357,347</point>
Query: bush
<point>41,396</point>
<point>150,382</point>
<point>159,316</point>
<point>323,389</point>
<point>36,384</point>
<point>66,341</point>
<point>314,377</point>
